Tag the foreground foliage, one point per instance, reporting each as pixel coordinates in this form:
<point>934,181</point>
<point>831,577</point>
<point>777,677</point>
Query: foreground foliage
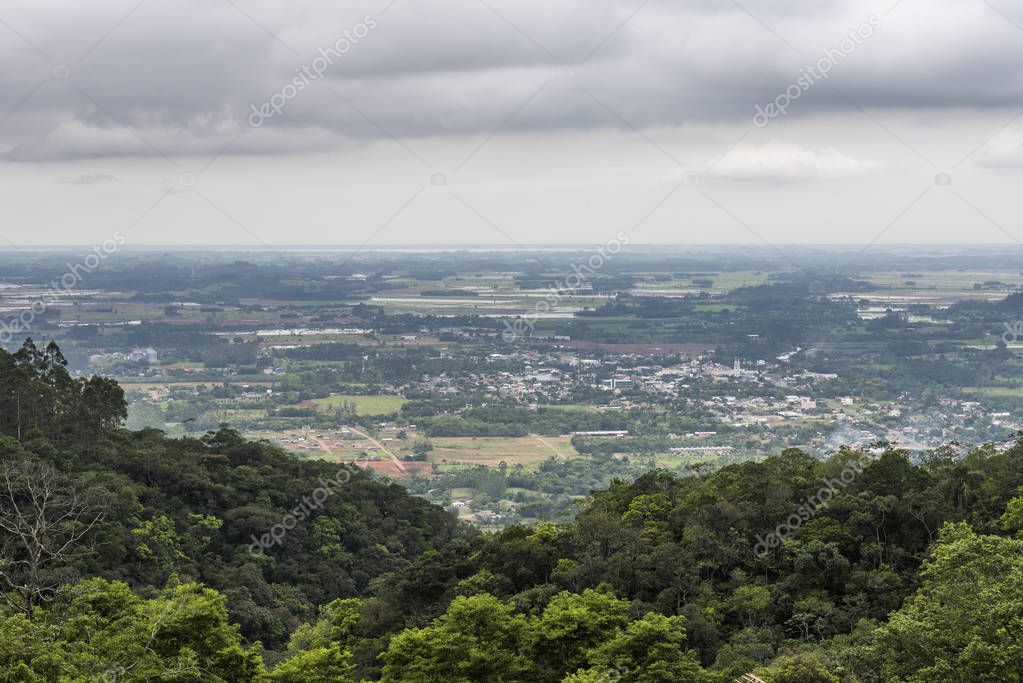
<point>862,567</point>
<point>102,631</point>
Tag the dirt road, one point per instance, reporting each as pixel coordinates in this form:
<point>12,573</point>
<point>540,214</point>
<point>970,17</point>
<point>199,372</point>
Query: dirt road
<point>397,463</point>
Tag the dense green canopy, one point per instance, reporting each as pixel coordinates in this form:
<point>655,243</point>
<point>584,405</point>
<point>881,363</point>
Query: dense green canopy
<point>128,556</point>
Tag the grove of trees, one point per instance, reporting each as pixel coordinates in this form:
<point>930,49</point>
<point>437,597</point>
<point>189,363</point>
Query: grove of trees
<point>130,556</point>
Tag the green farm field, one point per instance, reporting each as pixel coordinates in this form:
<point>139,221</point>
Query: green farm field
<point>526,450</point>
<point>364,405</point>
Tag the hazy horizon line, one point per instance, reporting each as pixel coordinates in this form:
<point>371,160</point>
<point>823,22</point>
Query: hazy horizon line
<point>483,246</point>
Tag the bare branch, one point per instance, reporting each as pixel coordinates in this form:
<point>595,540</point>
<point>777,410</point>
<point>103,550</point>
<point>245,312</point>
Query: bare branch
<point>42,525</point>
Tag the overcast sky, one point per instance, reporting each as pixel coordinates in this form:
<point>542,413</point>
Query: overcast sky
<point>512,122</point>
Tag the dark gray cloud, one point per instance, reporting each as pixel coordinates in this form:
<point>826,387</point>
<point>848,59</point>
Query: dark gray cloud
<point>180,78</point>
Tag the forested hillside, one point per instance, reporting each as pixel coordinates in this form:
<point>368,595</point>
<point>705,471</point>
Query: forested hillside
<point>210,510</point>
<point>128,556</point>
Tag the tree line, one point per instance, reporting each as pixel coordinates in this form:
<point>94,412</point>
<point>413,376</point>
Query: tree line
<point>129,556</point>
